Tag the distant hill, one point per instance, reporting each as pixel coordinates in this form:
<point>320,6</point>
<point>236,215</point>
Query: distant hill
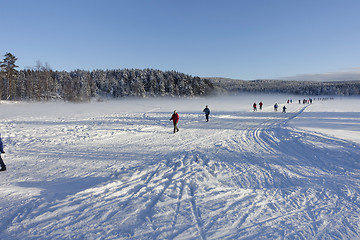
<point>342,88</point>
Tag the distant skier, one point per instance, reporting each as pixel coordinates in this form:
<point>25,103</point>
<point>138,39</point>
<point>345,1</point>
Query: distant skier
<point>175,119</point>
<point>207,113</point>
<point>284,109</point>
<point>275,107</point>
<point>260,105</point>
<point>2,164</point>
<point>254,107</point>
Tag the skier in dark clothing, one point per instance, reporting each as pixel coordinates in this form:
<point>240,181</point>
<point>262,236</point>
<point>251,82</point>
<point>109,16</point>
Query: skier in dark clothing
<point>254,107</point>
<point>275,107</point>
<point>175,119</point>
<point>284,109</point>
<point>207,113</point>
<point>260,105</point>
<point>2,164</point>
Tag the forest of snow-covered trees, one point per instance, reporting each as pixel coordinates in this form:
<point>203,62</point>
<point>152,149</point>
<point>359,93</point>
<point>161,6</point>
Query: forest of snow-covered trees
<point>83,85</point>
<point>42,83</point>
<point>341,88</point>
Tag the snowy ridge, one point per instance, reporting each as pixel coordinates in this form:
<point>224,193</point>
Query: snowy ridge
<point>108,171</point>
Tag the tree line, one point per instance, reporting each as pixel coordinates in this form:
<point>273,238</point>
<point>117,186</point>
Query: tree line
<point>340,88</point>
<point>42,83</point>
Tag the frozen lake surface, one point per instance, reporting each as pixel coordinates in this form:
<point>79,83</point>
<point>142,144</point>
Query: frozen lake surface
<point>115,170</point>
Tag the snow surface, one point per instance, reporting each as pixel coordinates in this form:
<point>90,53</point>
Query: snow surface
<point>115,170</point>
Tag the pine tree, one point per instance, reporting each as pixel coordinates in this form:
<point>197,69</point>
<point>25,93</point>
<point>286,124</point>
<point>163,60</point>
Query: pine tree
<point>10,74</point>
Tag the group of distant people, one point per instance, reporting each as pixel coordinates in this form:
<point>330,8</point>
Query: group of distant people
<point>276,106</point>
<point>289,101</point>
<point>304,101</point>
<point>175,115</point>
<point>255,106</point>
<point>309,101</point>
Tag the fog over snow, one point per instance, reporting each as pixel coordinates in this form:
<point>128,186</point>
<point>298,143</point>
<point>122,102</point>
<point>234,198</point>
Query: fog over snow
<point>115,169</point>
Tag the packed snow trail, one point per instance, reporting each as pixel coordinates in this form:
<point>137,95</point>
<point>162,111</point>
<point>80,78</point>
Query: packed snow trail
<point>243,175</point>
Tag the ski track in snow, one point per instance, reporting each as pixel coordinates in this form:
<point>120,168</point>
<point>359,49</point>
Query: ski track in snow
<point>243,175</point>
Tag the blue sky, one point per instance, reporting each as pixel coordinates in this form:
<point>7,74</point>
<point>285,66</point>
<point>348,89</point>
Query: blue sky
<point>241,39</point>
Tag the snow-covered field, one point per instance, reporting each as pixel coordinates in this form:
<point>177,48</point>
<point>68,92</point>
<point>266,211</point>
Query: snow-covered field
<point>115,170</point>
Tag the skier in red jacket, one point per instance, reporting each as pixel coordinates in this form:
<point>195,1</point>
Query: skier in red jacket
<point>254,107</point>
<point>175,119</point>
